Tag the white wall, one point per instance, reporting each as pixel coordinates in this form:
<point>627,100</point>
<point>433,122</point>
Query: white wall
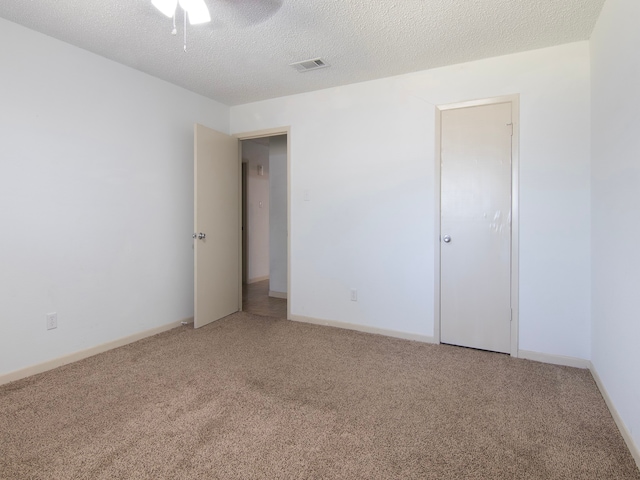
<point>278,214</point>
<point>616,206</point>
<point>257,209</point>
<point>96,189</point>
<point>365,153</point>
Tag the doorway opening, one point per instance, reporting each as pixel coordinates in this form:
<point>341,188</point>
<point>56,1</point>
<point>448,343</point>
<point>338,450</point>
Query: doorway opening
<point>265,225</point>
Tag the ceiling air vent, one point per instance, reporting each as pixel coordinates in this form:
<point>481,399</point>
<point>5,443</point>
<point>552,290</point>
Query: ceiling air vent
<point>307,65</point>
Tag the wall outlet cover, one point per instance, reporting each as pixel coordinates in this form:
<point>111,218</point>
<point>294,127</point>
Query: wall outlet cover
<point>52,321</point>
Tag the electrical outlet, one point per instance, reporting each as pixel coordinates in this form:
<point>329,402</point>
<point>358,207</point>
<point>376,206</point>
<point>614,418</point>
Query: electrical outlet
<point>52,321</point>
<point>354,295</point>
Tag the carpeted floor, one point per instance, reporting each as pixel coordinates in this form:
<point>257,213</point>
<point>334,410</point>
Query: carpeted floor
<point>253,397</point>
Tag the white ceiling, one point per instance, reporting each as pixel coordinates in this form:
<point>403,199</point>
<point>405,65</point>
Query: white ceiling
<point>243,54</point>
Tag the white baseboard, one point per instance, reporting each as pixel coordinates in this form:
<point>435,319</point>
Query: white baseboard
<point>365,328</point>
<point>89,352</point>
<point>274,294</point>
<point>257,279</point>
<point>624,431</point>
<point>554,359</point>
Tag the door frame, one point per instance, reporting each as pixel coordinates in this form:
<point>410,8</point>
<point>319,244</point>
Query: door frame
<point>270,132</point>
<point>244,172</point>
<point>515,223</point>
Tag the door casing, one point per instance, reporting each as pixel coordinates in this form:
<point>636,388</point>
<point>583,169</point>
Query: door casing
<point>270,132</point>
<point>515,164</point>
<point>243,209</point>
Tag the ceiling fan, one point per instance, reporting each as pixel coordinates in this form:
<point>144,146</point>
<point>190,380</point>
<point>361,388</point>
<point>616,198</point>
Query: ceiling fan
<point>245,12</point>
<point>196,10</point>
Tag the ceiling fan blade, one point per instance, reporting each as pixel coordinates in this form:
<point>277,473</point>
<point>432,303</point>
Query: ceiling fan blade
<point>245,13</point>
<point>168,7</point>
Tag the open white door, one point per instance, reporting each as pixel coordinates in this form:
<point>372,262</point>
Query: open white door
<point>475,222</point>
<point>217,229</point>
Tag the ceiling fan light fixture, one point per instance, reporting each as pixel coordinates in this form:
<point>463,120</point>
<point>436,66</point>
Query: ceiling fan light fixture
<point>167,7</point>
<point>197,11</point>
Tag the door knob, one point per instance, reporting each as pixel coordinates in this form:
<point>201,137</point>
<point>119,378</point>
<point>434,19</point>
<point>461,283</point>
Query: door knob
<point>202,236</point>
<point>446,239</point>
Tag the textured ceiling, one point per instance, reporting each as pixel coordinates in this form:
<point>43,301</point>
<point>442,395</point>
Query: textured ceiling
<point>244,53</point>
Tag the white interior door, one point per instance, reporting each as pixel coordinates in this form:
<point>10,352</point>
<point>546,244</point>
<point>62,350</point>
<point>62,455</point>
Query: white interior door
<point>475,226</point>
<point>217,228</point>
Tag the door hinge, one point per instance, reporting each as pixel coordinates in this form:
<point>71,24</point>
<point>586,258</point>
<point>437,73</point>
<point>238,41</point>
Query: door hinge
<point>510,125</point>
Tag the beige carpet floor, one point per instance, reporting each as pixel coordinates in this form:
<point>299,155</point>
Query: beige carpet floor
<point>252,397</point>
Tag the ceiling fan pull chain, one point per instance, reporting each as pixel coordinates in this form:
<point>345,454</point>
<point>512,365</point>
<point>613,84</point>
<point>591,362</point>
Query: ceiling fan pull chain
<point>185,30</point>
<point>175,30</point>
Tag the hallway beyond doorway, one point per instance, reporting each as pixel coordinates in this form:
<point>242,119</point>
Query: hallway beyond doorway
<point>256,300</point>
